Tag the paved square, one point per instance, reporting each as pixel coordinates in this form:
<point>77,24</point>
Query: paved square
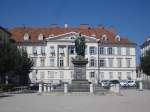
<point>131,101</point>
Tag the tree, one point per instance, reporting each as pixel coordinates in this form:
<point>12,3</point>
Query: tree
<point>145,63</point>
<point>24,68</point>
<point>14,62</point>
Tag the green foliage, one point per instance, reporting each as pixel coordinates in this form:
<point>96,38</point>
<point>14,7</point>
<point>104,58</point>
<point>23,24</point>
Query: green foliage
<point>8,87</point>
<point>145,63</point>
<point>14,62</point>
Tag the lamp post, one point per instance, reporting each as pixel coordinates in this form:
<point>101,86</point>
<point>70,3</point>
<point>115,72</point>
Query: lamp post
<point>98,63</point>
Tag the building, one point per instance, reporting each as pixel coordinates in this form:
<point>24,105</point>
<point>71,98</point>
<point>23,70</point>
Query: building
<point>145,47</point>
<point>52,49</point>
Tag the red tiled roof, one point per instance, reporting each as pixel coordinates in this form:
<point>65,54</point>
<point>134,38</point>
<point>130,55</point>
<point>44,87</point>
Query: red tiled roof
<point>18,33</point>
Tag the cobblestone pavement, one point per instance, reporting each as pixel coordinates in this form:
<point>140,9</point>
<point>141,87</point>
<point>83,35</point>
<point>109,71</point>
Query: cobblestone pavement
<point>131,101</point>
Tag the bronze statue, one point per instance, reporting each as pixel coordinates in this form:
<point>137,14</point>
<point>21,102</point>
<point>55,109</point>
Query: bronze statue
<point>80,45</point>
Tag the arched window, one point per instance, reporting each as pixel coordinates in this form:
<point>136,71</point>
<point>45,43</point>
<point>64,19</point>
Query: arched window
<point>26,36</point>
<point>40,37</point>
<point>117,38</point>
<point>104,37</point>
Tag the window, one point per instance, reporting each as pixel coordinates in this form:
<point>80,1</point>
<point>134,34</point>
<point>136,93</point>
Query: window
<point>61,74</point>
<point>92,74</point>
<point>110,61</point>
<point>34,75</point>
<point>52,62</point>
<point>117,38</point>
<point>110,50</point>
<point>101,50</point>
<point>110,75</point>
<point>42,50</point>
<point>102,75</point>
<point>52,51</point>
<point>119,50</point>
<point>127,51</point>
<point>42,61</point>
<point>119,75</point>
<point>101,63</point>
<point>34,49</point>
<point>61,62</point>
<point>128,63</point>
<point>50,74</point>
<point>128,75</point>
<point>70,62</point>
<point>40,37</point>
<point>119,63</point>
<point>41,75</point>
<point>71,50</point>
<point>61,50</point>
<point>92,62</point>
<point>26,36</point>
<point>34,62</point>
<point>92,51</point>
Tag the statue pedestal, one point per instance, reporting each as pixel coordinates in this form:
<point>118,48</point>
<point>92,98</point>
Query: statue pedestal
<point>79,83</point>
<point>79,68</point>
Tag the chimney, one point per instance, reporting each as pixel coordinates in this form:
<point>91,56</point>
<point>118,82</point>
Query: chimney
<point>84,26</point>
<point>101,26</point>
<point>54,25</point>
<point>65,25</point>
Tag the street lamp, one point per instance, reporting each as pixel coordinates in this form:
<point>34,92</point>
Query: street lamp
<point>98,62</point>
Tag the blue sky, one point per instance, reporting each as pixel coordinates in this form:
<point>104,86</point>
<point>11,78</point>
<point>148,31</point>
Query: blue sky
<point>131,18</point>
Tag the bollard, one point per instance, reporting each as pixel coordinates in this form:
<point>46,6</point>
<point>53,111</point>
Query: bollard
<point>52,87</point>
<point>48,87</point>
<point>91,88</point>
<point>115,88</point>
<point>140,86</point>
<point>45,87</point>
<point>65,88</point>
<point>40,88</point>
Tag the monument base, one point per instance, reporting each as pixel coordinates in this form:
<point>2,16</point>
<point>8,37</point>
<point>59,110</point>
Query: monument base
<point>80,81</point>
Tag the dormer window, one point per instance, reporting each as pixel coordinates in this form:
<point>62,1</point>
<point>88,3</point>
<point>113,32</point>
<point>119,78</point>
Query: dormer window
<point>26,36</point>
<point>40,37</point>
<point>117,38</point>
<point>104,37</point>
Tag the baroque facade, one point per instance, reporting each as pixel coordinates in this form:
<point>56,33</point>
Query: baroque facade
<point>110,56</point>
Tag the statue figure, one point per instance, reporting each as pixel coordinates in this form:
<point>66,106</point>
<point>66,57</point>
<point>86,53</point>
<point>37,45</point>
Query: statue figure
<point>80,45</point>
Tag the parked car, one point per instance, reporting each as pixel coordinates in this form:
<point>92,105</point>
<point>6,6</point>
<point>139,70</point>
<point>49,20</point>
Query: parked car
<point>105,83</point>
<point>113,82</point>
<point>131,83</point>
<point>123,83</point>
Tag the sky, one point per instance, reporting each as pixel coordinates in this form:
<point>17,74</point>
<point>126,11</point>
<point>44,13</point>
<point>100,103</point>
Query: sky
<point>131,18</point>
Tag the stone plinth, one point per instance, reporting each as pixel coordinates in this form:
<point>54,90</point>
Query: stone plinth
<point>79,83</point>
<point>79,68</point>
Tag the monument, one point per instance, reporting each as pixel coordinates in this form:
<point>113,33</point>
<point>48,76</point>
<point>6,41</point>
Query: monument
<point>80,82</point>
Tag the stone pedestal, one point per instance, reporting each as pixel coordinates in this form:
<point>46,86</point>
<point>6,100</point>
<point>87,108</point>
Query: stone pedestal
<point>79,83</point>
<point>140,86</point>
<point>48,87</point>
<point>79,68</point>
<point>40,88</point>
<point>65,88</point>
<point>91,88</point>
<point>115,88</point>
<point>45,87</point>
<point>52,87</point>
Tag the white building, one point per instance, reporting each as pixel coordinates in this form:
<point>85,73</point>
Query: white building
<point>52,50</point>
